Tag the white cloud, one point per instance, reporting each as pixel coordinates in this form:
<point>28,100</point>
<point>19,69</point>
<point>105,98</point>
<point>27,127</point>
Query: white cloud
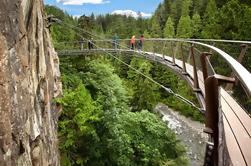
<point>81,2</point>
<point>145,14</point>
<point>131,13</point>
<point>77,16</point>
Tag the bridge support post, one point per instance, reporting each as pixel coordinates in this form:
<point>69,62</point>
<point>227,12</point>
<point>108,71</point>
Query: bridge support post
<point>212,109</point>
<point>173,54</point>
<point>195,79</point>
<point>184,70</point>
<point>203,60</point>
<point>244,48</point>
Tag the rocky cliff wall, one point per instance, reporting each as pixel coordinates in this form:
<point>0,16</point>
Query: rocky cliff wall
<point>29,80</point>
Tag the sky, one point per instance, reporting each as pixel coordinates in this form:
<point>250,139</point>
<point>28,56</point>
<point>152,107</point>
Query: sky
<point>128,7</point>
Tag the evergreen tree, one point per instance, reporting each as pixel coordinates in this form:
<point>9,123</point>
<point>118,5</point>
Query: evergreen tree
<point>186,4</point>
<point>210,21</point>
<point>185,29</point>
<point>232,15</point>
<point>169,28</point>
<point>176,8</point>
<point>196,6</point>
<point>145,94</point>
<point>196,21</point>
<point>244,30</point>
<point>167,9</point>
<point>156,29</point>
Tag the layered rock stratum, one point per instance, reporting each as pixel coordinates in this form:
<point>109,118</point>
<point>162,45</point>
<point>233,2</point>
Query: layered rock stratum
<point>29,81</point>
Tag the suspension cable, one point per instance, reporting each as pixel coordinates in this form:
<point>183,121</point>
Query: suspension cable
<point>170,91</point>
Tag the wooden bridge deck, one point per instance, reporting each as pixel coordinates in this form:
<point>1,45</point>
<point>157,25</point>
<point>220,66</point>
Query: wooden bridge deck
<point>236,123</point>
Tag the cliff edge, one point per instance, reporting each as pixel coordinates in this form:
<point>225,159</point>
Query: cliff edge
<point>29,80</point>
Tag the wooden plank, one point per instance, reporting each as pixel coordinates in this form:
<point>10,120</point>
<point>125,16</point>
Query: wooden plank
<point>232,146</point>
<point>242,137</point>
<point>240,113</point>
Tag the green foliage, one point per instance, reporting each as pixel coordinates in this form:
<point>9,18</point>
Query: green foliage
<point>105,87</point>
<point>169,80</point>
<point>169,29</point>
<point>196,22</point>
<point>145,94</point>
<point>176,10</point>
<point>95,127</point>
<point>185,29</point>
<point>244,27</point>
<point>140,139</point>
<point>76,123</point>
<point>231,15</point>
<point>210,25</point>
<point>156,29</point>
<point>186,4</point>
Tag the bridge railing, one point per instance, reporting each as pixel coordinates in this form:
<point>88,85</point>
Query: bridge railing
<point>217,61</point>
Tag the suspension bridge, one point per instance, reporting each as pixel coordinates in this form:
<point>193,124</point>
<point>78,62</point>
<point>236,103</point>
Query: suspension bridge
<point>197,61</point>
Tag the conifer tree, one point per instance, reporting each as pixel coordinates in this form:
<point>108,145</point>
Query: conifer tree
<point>196,21</point>
<point>186,4</point>
<point>210,25</point>
<point>184,29</point>
<point>156,30</point>
<point>169,28</point>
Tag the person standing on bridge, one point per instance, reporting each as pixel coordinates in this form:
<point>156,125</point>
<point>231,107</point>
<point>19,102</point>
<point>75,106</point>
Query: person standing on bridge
<point>132,42</point>
<point>90,44</point>
<point>141,41</point>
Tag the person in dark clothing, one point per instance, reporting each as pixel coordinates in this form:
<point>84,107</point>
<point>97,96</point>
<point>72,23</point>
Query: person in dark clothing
<point>141,41</point>
<point>90,44</point>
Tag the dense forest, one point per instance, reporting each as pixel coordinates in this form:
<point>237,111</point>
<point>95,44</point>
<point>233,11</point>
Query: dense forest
<point>108,116</point>
<point>216,19</point>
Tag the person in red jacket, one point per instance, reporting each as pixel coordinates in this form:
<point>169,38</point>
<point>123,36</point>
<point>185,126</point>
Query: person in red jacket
<point>132,42</point>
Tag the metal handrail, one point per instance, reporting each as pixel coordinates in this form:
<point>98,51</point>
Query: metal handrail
<point>241,72</point>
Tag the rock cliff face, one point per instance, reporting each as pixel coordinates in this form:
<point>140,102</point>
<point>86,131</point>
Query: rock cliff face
<point>29,80</point>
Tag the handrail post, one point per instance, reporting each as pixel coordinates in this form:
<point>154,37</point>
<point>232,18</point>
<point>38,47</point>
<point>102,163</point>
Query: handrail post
<point>173,54</point>
<point>203,61</point>
<point>212,114</point>
<point>212,109</point>
<point>81,45</point>
<point>195,74</point>
<point>163,50</point>
<point>244,48</point>
<point>184,70</point>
